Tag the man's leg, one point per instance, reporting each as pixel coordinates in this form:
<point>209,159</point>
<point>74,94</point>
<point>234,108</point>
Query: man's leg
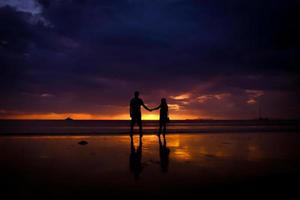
<point>132,145</point>
<point>131,126</point>
<point>140,126</point>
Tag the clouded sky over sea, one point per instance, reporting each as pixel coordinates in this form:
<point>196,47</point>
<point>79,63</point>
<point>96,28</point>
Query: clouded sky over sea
<point>210,59</point>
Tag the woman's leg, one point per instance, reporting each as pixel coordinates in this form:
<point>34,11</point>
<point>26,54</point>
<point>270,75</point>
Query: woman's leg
<point>165,128</point>
<point>160,127</point>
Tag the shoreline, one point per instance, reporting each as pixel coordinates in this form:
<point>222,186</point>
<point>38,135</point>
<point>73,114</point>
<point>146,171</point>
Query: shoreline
<point>115,127</point>
<point>29,134</point>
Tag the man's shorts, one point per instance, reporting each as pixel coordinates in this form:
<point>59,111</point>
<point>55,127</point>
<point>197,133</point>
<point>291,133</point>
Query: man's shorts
<point>136,119</point>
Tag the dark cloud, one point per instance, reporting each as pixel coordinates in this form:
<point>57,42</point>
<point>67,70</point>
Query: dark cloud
<point>87,53</point>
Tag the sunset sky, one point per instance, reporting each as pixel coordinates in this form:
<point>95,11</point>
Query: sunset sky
<point>211,59</point>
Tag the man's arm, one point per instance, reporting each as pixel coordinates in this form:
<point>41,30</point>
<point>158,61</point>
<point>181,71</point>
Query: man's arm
<point>145,106</point>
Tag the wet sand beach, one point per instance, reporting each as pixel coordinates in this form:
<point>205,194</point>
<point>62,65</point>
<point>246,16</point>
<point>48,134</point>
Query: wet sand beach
<point>226,164</point>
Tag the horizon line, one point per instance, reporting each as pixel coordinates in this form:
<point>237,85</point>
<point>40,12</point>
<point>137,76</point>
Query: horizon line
<point>203,119</point>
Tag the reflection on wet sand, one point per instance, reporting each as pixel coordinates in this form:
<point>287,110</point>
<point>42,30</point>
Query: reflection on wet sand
<point>135,158</point>
<point>164,152</point>
<point>192,147</point>
<point>214,152</point>
<point>198,160</point>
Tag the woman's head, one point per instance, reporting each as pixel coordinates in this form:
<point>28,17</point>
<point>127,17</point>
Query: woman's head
<point>163,101</point>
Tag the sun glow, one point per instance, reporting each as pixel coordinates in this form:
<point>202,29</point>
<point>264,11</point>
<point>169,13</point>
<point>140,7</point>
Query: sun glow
<point>87,116</point>
<point>181,97</point>
<point>150,117</point>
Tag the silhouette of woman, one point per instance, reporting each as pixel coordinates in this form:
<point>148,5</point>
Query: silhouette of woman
<point>163,116</point>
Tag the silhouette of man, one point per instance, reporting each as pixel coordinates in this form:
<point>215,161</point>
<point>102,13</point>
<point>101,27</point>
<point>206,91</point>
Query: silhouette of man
<point>135,112</point>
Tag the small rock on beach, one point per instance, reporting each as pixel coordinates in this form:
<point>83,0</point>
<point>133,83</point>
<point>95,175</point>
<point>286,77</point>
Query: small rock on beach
<point>83,142</point>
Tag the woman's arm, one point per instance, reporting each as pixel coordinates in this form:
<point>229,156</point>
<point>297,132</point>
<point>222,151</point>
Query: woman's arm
<point>156,108</point>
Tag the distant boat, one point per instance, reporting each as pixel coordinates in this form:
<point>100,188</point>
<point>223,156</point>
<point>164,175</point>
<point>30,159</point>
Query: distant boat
<point>69,119</point>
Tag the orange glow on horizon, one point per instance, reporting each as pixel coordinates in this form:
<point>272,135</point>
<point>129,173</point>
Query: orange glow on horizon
<point>87,116</point>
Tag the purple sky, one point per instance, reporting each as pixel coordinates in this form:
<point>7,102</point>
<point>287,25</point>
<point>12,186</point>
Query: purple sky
<point>210,59</point>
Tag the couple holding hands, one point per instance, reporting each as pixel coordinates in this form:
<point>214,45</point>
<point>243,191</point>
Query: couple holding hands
<point>136,115</point>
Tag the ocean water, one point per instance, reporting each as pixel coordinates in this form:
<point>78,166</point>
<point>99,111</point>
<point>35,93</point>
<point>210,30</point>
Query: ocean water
<point>83,127</point>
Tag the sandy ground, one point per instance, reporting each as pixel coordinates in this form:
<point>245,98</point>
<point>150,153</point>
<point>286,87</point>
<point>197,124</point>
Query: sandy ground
<point>57,167</point>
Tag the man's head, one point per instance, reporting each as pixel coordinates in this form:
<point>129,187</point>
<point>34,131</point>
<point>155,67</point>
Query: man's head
<point>136,94</point>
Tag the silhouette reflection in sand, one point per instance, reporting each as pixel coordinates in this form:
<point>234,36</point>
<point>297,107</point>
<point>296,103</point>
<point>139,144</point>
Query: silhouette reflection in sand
<point>164,152</point>
<point>135,158</point>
